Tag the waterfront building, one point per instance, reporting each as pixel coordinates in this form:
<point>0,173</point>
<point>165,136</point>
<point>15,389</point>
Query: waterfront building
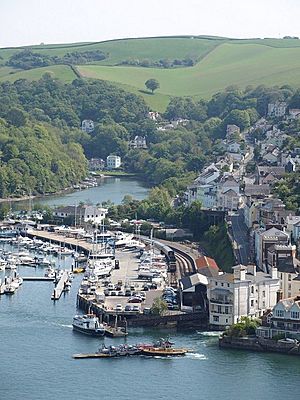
<point>113,162</point>
<point>246,292</point>
<point>92,214</point>
<point>284,320</point>
<point>193,288</point>
<point>96,164</point>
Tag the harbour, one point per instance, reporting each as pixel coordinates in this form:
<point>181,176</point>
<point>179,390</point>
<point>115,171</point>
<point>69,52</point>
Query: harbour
<point>38,338</point>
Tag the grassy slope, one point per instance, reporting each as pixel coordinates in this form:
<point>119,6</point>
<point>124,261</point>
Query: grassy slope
<point>223,62</point>
<point>228,64</point>
<point>62,72</point>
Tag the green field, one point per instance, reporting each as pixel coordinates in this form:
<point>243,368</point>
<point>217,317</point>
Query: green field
<point>62,72</point>
<point>222,62</point>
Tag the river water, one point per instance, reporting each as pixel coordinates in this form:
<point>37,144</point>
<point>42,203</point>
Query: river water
<point>110,188</point>
<point>37,343</point>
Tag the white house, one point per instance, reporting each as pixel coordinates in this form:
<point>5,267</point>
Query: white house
<point>246,292</point>
<point>113,162</point>
<point>87,125</point>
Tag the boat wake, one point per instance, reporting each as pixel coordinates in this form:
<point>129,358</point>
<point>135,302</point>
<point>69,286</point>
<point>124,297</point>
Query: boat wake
<point>65,326</point>
<point>196,356</point>
<point>209,334</point>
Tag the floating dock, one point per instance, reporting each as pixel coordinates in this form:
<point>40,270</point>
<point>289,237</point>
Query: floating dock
<point>61,285</point>
<point>38,278</point>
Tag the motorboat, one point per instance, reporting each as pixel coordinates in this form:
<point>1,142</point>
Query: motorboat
<point>163,348</point>
<point>88,324</point>
<point>121,239</point>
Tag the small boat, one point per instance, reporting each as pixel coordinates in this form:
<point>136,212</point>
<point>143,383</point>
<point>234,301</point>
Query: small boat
<point>10,289</point>
<point>88,324</point>
<point>113,331</point>
<point>163,348</point>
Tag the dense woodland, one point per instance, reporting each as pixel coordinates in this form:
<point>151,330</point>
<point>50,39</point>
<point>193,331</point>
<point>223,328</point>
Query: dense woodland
<point>173,156</point>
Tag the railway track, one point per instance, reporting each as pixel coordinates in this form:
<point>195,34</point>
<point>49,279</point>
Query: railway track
<point>185,264</point>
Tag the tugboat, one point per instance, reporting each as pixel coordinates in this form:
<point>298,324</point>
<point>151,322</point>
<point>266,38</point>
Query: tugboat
<point>162,348</point>
<point>88,324</point>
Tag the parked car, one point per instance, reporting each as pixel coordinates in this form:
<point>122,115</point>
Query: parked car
<point>121,293</point>
<point>128,307</point>
<point>119,307</point>
<point>147,310</point>
<point>136,308</point>
<point>153,285</point>
<point>135,299</point>
<point>113,293</point>
<point>145,288</point>
<point>127,292</point>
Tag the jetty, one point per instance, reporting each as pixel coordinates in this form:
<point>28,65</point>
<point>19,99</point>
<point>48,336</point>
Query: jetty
<point>38,278</point>
<point>60,286</point>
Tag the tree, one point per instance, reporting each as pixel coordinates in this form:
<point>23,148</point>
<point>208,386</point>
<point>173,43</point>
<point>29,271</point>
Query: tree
<point>159,306</point>
<point>16,117</point>
<point>152,84</point>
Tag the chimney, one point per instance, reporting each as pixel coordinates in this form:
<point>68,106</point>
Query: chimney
<point>274,273</point>
<point>242,274</point>
<point>279,295</point>
<point>251,269</point>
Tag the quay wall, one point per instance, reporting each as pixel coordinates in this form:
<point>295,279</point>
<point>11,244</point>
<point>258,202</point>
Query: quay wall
<point>260,345</point>
<point>179,320</point>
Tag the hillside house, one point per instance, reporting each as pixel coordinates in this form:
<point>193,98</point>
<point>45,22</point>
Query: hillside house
<point>264,239</point>
<point>87,126</point>
<point>277,109</point>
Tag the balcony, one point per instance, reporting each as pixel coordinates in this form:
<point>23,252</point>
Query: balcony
<point>221,301</point>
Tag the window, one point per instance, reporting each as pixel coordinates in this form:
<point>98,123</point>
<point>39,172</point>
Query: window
<point>279,313</point>
<point>226,320</point>
<point>252,303</point>
<point>295,314</point>
<point>216,283</point>
<point>264,293</point>
<point>226,310</point>
<point>222,284</point>
<point>229,285</point>
<point>219,309</point>
<point>289,286</point>
<point>252,289</point>
<point>289,277</point>
<point>216,318</point>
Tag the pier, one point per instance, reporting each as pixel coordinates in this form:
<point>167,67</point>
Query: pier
<point>61,285</point>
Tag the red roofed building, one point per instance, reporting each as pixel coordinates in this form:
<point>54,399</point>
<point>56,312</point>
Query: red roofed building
<point>207,266</point>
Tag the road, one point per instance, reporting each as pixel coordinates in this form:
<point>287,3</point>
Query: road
<point>239,231</point>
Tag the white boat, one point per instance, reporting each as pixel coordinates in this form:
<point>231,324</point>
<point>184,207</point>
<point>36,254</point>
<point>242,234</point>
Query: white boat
<point>121,239</point>
<point>135,244</point>
<point>88,324</point>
